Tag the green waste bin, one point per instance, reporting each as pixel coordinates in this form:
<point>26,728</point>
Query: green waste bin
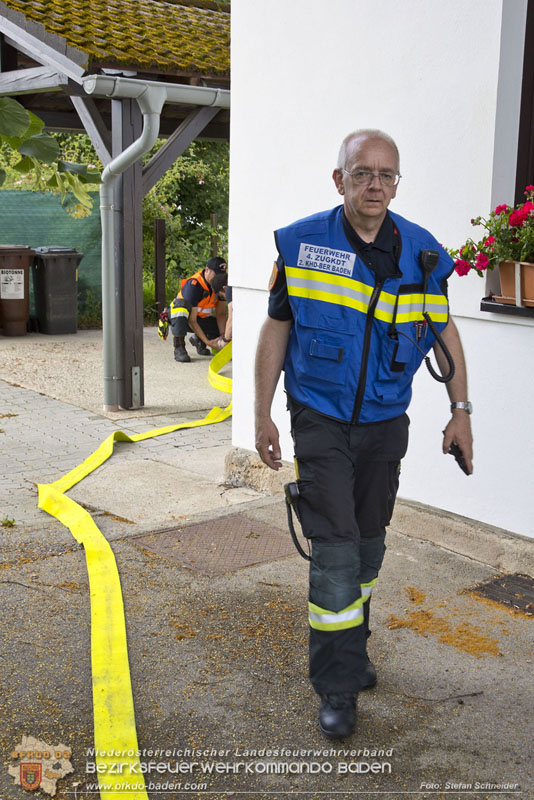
<point>15,262</point>
<point>55,289</point>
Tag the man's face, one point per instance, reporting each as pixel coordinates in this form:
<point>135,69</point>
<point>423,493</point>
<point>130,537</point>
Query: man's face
<point>366,204</point>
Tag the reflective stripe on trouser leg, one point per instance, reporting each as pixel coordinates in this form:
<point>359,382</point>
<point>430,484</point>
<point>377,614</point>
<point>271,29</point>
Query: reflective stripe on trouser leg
<point>179,318</point>
<point>337,638</point>
<point>323,620</point>
<point>367,590</point>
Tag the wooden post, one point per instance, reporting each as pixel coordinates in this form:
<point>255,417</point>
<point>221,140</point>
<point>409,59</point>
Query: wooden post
<point>159,264</point>
<point>214,238</point>
<point>127,126</point>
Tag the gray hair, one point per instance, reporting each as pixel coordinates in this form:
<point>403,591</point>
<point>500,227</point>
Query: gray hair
<point>367,133</point>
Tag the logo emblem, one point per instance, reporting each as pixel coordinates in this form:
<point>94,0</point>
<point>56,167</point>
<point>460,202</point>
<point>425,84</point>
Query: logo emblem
<point>31,774</point>
<point>39,765</point>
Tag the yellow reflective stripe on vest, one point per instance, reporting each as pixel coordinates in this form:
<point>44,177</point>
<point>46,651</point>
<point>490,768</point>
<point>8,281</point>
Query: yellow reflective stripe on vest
<point>367,588</point>
<point>410,307</point>
<point>328,288</point>
<point>354,294</point>
<point>323,620</point>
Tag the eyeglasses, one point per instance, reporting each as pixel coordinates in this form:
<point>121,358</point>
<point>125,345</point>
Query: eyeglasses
<point>364,177</point>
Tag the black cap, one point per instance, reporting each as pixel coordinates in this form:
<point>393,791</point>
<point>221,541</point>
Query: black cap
<point>217,264</point>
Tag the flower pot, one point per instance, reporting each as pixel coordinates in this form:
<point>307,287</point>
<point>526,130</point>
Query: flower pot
<point>517,283</point>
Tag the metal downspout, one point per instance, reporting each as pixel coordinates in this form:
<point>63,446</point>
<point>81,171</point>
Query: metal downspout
<point>150,102</point>
<point>151,97</point>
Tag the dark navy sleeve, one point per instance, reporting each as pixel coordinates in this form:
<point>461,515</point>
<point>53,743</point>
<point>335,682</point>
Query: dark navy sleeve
<point>279,307</point>
<point>193,292</point>
<point>228,294</point>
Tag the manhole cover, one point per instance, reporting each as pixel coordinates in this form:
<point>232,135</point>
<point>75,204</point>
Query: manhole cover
<point>221,545</point>
<point>515,591</point>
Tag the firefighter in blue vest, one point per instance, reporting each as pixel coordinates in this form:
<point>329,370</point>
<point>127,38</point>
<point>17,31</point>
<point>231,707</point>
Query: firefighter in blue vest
<point>346,323</point>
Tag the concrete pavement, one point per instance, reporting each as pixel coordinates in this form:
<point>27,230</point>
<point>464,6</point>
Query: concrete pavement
<point>218,658</point>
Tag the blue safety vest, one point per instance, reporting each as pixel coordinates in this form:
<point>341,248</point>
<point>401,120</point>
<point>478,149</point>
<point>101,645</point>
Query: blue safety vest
<point>351,352</point>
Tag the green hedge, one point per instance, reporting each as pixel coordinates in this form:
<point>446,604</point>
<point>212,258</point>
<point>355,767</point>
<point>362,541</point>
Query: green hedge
<point>37,220</point>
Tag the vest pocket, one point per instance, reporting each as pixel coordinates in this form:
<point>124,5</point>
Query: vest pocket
<point>326,359</point>
<point>324,347</point>
<point>399,359</point>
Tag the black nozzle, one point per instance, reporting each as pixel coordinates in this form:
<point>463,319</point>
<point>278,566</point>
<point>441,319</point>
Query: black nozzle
<point>429,261</point>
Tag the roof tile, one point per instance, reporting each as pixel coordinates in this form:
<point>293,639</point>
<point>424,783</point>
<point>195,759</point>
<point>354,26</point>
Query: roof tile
<point>186,36</point>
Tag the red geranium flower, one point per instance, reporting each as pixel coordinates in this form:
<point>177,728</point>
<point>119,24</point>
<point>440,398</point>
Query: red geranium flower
<point>482,261</point>
<point>500,209</point>
<point>461,267</point>
<point>518,217</point>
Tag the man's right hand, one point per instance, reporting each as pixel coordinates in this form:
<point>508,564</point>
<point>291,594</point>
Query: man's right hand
<point>268,444</point>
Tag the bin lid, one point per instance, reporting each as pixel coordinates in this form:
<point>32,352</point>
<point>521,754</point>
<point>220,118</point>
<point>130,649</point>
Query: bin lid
<point>42,251</point>
<point>5,249</point>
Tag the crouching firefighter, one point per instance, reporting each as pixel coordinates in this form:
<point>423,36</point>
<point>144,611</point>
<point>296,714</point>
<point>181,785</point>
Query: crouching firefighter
<point>358,297</point>
<point>199,308</point>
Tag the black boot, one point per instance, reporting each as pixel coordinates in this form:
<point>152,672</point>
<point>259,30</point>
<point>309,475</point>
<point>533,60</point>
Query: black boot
<point>197,343</point>
<point>180,353</point>
<point>337,715</point>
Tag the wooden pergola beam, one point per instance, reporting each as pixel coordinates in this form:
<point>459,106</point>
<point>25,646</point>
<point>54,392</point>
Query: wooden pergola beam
<point>175,145</point>
<point>95,127</point>
<point>42,52</point>
<point>35,79</point>
<point>70,121</point>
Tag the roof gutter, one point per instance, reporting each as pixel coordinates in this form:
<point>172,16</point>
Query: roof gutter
<point>151,97</point>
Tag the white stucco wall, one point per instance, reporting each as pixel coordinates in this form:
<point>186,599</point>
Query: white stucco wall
<point>431,74</point>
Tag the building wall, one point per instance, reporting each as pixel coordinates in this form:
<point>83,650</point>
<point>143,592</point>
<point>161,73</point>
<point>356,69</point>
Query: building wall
<point>444,80</point>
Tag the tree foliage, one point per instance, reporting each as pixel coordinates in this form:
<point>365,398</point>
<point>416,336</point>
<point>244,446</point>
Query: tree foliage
<point>31,159</point>
<point>186,197</point>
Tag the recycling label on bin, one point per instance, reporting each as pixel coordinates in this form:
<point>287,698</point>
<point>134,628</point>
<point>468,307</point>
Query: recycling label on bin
<point>12,284</point>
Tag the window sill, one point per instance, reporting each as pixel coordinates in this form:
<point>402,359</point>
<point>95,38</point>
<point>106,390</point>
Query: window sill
<point>489,304</point>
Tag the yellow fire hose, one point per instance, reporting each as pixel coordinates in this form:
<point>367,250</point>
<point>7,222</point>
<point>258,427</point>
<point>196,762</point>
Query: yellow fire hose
<point>115,734</point>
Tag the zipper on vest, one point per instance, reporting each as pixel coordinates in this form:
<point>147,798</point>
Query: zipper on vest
<point>366,347</point>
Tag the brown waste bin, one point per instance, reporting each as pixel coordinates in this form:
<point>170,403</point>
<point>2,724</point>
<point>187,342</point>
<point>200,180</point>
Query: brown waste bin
<point>15,262</point>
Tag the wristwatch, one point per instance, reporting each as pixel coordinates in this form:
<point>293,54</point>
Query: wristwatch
<point>467,407</point>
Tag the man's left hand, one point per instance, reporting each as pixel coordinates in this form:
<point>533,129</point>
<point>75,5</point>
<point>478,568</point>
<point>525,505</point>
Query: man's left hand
<point>459,430</point>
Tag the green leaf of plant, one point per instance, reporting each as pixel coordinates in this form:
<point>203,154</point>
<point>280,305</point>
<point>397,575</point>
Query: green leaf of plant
<point>83,173</point>
<point>42,147</point>
<point>78,191</point>
<point>53,182</point>
<point>35,127</point>
<point>24,165</point>
<point>70,166</point>
<point>14,119</point>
